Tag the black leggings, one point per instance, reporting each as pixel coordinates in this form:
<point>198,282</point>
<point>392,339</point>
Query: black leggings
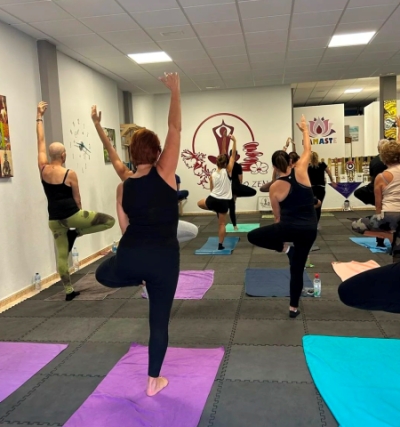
<point>160,269</point>
<point>377,289</point>
<point>239,190</point>
<point>274,236</point>
<point>319,193</point>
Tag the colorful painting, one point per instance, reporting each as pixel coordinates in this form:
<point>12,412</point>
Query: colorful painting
<point>111,136</point>
<point>6,163</point>
<point>219,127</point>
<point>389,118</point>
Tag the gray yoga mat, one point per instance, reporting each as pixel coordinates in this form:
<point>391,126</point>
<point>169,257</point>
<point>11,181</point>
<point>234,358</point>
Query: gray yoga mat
<point>271,282</point>
<point>90,290</point>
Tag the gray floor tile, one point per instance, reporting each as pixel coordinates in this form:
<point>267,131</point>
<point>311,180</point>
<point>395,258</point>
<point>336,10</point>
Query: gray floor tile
<point>190,257</point>
<point>54,365</point>
<point>46,293</point>
<point>34,308</point>
<point>267,363</point>
<point>330,279</point>
<point>270,258</point>
<point>265,308</point>
<point>134,308</point>
<point>320,267</point>
<point>382,316</point>
<point>55,400</point>
<point>200,331</point>
<point>123,331</point>
<point>209,406</point>
<point>349,250</point>
<point>392,329</point>
<point>234,258</point>
<point>342,236</point>
<point>319,258</point>
<point>207,309</point>
<point>332,231</point>
<point>64,329</point>
<point>13,328</point>
<point>223,292</point>
<point>201,265</point>
<point>316,309</point>
<point>84,309</point>
<point>263,404</point>
<point>228,274</point>
<point>123,293</point>
<point>269,332</point>
<point>344,328</point>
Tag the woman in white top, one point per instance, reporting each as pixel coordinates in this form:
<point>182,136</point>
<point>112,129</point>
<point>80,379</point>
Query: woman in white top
<point>387,196</point>
<point>221,191</point>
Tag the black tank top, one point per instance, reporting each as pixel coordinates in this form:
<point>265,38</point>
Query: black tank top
<point>297,210</point>
<point>152,208</point>
<point>61,203</point>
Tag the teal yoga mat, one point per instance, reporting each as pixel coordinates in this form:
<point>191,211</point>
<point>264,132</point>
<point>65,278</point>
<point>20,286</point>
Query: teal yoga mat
<point>359,378</point>
<point>211,246</point>
<point>370,243</point>
<point>243,228</point>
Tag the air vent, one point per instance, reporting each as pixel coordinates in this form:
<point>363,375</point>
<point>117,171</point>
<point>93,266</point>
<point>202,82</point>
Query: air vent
<point>172,33</point>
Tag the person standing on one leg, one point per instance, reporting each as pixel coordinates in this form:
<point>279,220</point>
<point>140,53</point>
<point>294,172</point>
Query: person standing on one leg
<point>292,202</point>
<point>186,230</point>
<point>148,216</point>
<point>221,192</point>
<point>67,220</point>
<point>316,173</point>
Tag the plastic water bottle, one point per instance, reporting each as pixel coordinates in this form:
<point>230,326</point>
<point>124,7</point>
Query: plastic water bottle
<point>114,247</point>
<point>317,286</point>
<point>37,282</point>
<point>75,259</point>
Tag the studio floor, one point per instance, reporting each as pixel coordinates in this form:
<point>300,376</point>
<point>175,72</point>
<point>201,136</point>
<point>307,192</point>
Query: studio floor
<point>263,379</point>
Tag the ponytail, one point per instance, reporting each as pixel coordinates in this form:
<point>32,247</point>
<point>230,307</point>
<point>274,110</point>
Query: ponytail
<point>281,160</point>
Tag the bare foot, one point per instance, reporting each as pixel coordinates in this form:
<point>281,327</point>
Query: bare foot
<point>285,248</point>
<point>155,385</point>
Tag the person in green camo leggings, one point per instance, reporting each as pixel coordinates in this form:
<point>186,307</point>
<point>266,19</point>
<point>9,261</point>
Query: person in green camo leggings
<point>67,220</point>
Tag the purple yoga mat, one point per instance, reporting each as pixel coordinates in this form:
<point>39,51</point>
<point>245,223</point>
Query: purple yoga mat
<point>193,284</point>
<point>20,361</point>
<point>120,399</point>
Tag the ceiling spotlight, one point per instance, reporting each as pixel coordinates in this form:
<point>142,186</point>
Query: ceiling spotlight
<point>353,91</point>
<point>354,39</point>
<point>212,87</point>
<point>150,58</point>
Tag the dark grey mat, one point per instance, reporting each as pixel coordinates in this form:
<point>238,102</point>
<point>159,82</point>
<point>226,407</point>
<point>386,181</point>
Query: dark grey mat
<point>270,282</point>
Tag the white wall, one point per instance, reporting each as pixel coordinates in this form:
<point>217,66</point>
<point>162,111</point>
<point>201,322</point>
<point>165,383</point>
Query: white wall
<point>356,148</point>
<point>26,244</point>
<point>267,111</point>
<point>80,88</point>
<point>371,129</point>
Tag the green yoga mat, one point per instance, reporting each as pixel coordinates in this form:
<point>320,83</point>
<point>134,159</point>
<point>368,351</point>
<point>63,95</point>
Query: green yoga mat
<point>270,216</point>
<point>243,228</point>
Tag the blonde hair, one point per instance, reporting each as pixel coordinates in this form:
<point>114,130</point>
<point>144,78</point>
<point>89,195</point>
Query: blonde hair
<point>390,153</point>
<point>314,159</point>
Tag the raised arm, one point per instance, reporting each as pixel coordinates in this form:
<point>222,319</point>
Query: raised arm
<point>304,160</point>
<point>168,161</point>
<point>233,156</point>
<point>122,170</point>
<point>41,142</point>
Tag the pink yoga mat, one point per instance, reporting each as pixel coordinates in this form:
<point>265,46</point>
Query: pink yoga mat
<point>120,399</point>
<point>345,270</point>
<point>20,361</point>
<point>193,284</point>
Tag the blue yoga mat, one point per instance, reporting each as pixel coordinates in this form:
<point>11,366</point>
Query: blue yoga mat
<point>211,246</point>
<point>359,378</point>
<point>270,282</point>
<point>370,243</point>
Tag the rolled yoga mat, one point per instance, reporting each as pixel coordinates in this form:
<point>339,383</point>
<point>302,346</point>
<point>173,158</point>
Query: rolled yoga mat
<point>90,290</point>
<point>359,378</point>
<point>345,270</point>
<point>271,282</point>
<point>193,284</point>
<point>211,246</point>
<point>120,399</point>
<point>243,228</point>
<point>20,361</point>
<point>370,243</point>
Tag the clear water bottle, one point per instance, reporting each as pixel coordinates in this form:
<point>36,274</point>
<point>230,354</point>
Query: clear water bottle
<point>114,247</point>
<point>317,286</point>
<point>37,282</point>
<point>75,259</point>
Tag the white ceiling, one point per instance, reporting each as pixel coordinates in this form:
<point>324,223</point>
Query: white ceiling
<point>224,43</point>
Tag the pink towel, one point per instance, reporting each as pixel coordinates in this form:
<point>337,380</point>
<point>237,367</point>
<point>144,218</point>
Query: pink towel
<point>345,270</point>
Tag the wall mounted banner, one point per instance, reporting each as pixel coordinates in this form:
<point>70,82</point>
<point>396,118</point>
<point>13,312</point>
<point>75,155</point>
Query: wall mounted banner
<point>389,118</point>
<point>6,163</point>
<point>346,189</point>
<point>219,127</point>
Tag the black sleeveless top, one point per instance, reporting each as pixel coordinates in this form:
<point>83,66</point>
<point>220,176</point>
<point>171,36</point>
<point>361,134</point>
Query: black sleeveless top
<point>152,208</point>
<point>61,203</point>
<point>297,210</point>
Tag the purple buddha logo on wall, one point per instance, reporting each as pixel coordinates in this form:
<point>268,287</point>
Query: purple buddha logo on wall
<point>222,125</point>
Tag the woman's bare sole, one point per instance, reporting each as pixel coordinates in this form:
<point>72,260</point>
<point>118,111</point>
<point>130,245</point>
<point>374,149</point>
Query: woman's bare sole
<point>155,385</point>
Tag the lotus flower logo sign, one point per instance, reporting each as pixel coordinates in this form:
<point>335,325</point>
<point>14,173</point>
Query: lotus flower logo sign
<point>225,123</point>
<point>321,132</point>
